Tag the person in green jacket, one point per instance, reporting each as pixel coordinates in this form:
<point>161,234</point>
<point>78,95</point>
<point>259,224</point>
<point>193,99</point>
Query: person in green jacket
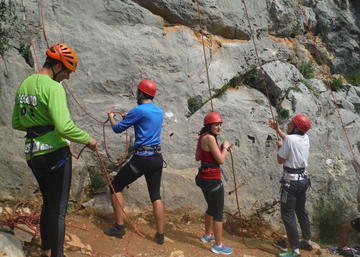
<point>41,111</point>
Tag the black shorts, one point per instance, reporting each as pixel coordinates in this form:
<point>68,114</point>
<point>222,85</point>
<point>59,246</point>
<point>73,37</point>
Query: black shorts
<point>150,166</point>
<point>356,224</point>
<point>213,191</point>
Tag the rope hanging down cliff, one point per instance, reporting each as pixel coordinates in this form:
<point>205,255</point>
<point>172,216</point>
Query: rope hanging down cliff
<point>100,159</point>
<point>205,58</point>
<point>212,107</point>
<point>355,163</point>
<point>258,58</point>
<point>239,217</point>
<point>82,107</point>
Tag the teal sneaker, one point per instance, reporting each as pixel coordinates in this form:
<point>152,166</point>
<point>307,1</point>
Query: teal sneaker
<point>207,239</point>
<point>289,254</point>
<point>221,249</point>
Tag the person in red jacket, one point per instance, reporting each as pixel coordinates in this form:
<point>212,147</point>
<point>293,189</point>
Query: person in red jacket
<point>208,179</point>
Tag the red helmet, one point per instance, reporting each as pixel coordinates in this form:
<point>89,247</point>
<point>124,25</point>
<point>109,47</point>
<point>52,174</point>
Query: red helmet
<point>302,122</point>
<point>64,54</point>
<point>148,87</point>
<point>213,117</point>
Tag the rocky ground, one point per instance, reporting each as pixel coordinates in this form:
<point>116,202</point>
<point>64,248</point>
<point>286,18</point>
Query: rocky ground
<point>183,230</point>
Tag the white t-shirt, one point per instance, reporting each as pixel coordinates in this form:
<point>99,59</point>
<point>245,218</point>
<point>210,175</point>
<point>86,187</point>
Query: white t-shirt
<point>295,151</point>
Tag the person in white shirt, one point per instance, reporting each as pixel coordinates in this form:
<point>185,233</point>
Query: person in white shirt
<point>293,154</point>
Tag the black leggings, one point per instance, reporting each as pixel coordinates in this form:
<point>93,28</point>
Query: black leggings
<point>150,166</point>
<point>53,173</point>
<point>213,191</point>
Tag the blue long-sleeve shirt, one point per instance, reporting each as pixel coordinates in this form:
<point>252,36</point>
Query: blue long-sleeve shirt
<point>147,120</point>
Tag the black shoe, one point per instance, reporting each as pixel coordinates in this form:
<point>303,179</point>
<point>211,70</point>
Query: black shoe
<point>305,246</point>
<point>115,230</point>
<point>159,238</point>
<point>281,245</point>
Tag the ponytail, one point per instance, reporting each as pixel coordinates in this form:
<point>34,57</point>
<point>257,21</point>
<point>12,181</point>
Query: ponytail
<point>205,129</point>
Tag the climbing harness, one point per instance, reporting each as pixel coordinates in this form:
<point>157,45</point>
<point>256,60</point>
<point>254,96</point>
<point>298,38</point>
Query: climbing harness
<point>101,161</point>
<point>294,171</point>
<point>214,116</point>
<point>148,148</point>
<point>207,165</point>
<point>32,133</point>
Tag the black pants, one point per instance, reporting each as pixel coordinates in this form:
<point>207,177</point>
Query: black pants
<point>53,174</point>
<point>293,198</point>
<point>150,166</point>
<point>213,191</point>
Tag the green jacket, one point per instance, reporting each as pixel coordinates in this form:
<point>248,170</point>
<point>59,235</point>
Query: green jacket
<point>41,101</point>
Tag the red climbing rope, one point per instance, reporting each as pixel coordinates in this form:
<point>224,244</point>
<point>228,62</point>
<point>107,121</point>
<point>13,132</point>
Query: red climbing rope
<point>257,57</point>
<point>108,180</point>
<point>205,58</point>
<point>105,145</point>
<point>212,107</point>
<point>105,171</point>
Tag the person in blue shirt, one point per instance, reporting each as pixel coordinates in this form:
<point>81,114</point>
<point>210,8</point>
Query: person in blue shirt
<point>147,119</point>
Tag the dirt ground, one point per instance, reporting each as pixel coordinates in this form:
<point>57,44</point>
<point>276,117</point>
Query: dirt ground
<point>183,231</point>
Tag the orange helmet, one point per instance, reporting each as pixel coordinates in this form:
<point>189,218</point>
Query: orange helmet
<point>148,87</point>
<point>302,122</point>
<point>213,117</point>
<point>64,54</point>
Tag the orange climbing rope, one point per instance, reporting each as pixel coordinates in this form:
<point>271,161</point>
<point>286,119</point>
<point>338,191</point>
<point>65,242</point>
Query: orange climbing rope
<point>105,145</point>
<point>101,161</point>
<point>103,123</point>
<point>42,25</point>
<point>107,177</point>
<point>205,58</point>
<point>212,107</point>
<point>257,57</point>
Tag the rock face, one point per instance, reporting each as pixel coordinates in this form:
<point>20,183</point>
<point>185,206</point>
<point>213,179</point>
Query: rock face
<point>10,246</point>
<point>339,26</point>
<point>122,42</point>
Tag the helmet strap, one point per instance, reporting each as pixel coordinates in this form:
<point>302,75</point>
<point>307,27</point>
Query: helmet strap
<point>53,72</point>
<point>292,131</point>
<point>295,130</point>
<point>57,73</point>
